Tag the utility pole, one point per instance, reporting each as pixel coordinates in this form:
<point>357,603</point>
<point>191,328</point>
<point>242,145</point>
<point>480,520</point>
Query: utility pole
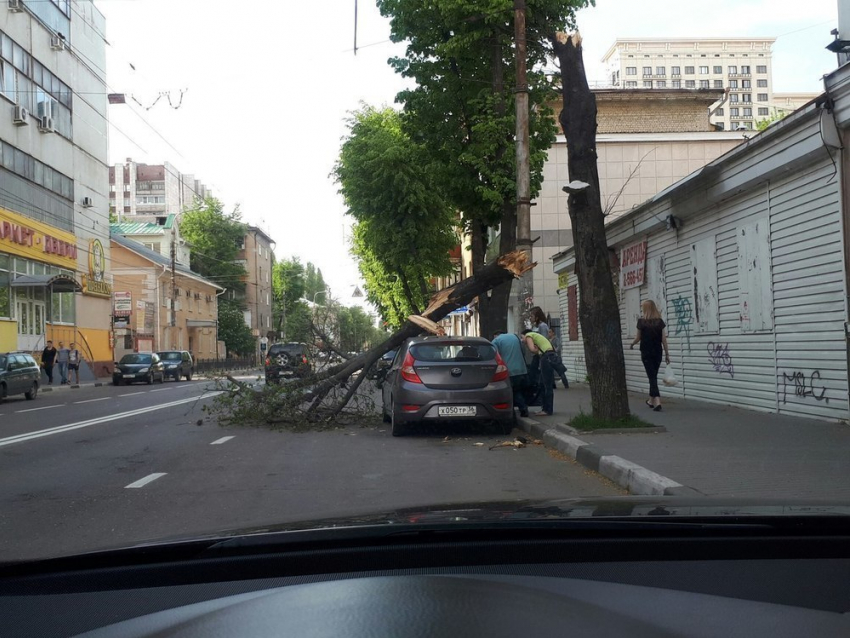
<point>523,167</point>
<point>173,284</point>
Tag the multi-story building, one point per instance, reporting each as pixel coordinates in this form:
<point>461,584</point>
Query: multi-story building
<point>258,259</point>
<point>152,190</point>
<point>787,103</point>
<point>741,66</point>
<point>159,236</point>
<point>54,205</point>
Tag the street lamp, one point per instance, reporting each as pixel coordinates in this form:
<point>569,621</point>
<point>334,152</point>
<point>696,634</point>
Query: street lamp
<point>321,292</point>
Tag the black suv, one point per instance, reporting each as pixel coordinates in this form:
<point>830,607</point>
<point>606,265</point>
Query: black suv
<point>287,360</point>
<point>178,363</point>
<point>19,374</point>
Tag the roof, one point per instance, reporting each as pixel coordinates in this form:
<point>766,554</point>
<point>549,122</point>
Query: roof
<point>143,228</point>
<point>259,231</point>
<point>57,283</point>
<point>629,95</point>
<point>613,47</point>
<point>160,260</point>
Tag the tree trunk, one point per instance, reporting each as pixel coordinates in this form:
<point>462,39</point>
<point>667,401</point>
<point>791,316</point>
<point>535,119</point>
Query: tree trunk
<point>599,312</point>
<point>479,251</point>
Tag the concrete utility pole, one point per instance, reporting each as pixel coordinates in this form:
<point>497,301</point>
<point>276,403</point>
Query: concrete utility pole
<point>523,167</point>
<point>173,283</point>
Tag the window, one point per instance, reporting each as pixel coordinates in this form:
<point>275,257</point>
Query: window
<point>154,246</point>
<point>704,286</point>
<point>720,126</point>
<point>733,97</point>
<point>733,84</point>
<point>661,84</point>
<point>631,85</point>
<point>761,68</point>
<point>748,112</point>
<point>703,84</point>
<point>745,70</point>
<point>763,110</point>
<point>676,70</point>
<point>30,168</point>
<point>734,111</point>
<point>647,70</point>
<point>62,307</point>
<point>720,112</point>
<point>5,288</point>
<point>690,84</point>
<point>631,70</point>
<point>748,125</point>
<point>718,69</point>
<point>718,84</point>
<point>157,186</point>
<point>733,70</point>
<point>689,70</point>
<point>647,84</point>
<point>762,97</point>
<point>8,80</point>
<point>703,70</point>
<point>747,97</point>
<point>746,84</point>
<point>677,84</point>
<point>660,70</point>
<point>762,84</point>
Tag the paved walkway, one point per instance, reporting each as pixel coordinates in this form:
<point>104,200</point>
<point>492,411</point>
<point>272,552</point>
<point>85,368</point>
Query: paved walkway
<point>725,451</point>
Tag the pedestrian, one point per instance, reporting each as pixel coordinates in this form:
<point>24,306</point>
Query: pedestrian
<point>560,368</point>
<point>652,337</point>
<point>509,347</point>
<point>74,360</point>
<point>48,358</point>
<point>62,358</point>
<point>540,345</point>
<point>538,320</point>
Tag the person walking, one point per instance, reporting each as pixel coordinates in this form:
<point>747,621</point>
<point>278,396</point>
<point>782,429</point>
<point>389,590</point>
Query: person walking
<point>540,346</point>
<point>652,337</point>
<point>74,360</point>
<point>509,347</point>
<point>538,320</point>
<point>539,325</point>
<point>63,356</point>
<point>560,368</point>
<point>48,359</point>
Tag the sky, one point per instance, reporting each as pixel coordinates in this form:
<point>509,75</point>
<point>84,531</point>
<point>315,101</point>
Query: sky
<point>267,85</point>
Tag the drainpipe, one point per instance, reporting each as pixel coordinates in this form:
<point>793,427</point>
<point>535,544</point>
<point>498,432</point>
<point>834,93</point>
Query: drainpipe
<point>158,302</point>
<point>217,295</point>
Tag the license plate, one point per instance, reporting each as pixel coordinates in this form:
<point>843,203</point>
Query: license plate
<point>456,410</point>
<point>129,376</point>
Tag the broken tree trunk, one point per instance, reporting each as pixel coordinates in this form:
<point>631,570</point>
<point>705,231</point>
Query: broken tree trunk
<point>599,312</point>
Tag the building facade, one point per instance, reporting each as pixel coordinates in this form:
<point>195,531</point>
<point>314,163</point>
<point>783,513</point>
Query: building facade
<point>159,236</point>
<point>743,66</point>
<point>145,294</point>
<point>747,260</point>
<point>155,190</point>
<point>54,206</point>
<point>257,257</point>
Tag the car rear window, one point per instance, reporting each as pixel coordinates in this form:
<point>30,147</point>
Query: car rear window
<point>170,356</point>
<point>293,348</point>
<point>453,352</point>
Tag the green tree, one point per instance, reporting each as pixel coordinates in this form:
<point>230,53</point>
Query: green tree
<point>774,117</point>
<point>357,331</point>
<point>215,239</point>
<point>404,227</point>
<point>289,285</point>
<point>233,330</point>
<point>313,282</point>
<point>460,54</point>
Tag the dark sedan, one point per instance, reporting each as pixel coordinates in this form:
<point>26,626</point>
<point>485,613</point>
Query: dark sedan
<point>138,367</point>
<point>436,379</point>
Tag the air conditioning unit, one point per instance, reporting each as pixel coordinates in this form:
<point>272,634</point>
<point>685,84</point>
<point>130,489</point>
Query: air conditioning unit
<point>57,42</point>
<point>87,202</point>
<point>21,116</point>
<point>46,125</point>
<point>16,6</point>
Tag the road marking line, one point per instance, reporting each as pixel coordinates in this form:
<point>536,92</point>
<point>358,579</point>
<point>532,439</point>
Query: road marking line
<point>130,394</point>
<point>223,439</point>
<point>9,440</point>
<point>144,481</point>
<point>92,400</point>
<point>162,390</point>
<point>47,407</point>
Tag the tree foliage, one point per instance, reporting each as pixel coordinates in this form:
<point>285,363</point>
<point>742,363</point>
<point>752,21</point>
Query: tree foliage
<point>292,282</point>
<point>773,117</point>
<point>233,330</point>
<point>404,227</point>
<point>357,331</point>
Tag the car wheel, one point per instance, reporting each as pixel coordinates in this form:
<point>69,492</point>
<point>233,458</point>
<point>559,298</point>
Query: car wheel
<point>396,427</point>
<point>505,427</point>
<point>116,381</point>
<point>150,378</point>
<point>33,393</point>
<point>189,377</point>
<point>2,392</point>
<point>162,378</point>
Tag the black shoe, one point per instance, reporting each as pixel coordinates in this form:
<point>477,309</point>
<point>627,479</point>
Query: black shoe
<point>524,414</point>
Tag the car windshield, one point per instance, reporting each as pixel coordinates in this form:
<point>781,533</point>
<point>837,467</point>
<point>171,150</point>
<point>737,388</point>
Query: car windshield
<point>404,254</point>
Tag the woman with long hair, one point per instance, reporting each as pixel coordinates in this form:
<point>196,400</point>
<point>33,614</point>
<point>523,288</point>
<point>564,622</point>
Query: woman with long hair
<point>652,337</point>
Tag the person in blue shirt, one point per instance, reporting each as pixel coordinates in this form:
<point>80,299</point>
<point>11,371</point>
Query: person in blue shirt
<point>509,347</point>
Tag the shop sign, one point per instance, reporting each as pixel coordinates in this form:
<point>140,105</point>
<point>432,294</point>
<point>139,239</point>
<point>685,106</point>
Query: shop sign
<point>26,237</point>
<point>563,280</point>
<point>122,304</point>
<point>633,265</point>
<point>94,283</point>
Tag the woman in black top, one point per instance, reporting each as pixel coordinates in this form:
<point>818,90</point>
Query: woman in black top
<point>652,337</point>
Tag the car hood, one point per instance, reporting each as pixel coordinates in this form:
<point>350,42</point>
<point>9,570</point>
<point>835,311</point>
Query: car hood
<point>133,367</point>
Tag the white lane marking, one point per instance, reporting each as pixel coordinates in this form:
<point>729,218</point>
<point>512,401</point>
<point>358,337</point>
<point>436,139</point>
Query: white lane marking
<point>144,481</point>
<point>130,394</point>
<point>92,400</point>
<point>47,407</point>
<point>163,390</point>
<point>223,439</point>
<point>9,440</point>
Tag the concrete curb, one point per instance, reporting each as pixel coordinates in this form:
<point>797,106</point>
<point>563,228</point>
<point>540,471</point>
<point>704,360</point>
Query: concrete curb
<point>631,476</point>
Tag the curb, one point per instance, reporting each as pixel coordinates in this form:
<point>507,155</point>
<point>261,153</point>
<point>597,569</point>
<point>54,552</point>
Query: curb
<point>631,476</point>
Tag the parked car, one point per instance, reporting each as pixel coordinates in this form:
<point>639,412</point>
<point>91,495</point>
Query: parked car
<point>435,379</point>
<point>379,371</point>
<point>19,374</point>
<point>287,360</point>
<point>138,366</point>
<point>178,363</point>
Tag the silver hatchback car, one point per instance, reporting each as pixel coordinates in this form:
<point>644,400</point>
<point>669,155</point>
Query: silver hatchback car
<point>436,379</point>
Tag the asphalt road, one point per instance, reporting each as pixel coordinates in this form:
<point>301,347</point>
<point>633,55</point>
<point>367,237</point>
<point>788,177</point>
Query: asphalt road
<point>92,468</point>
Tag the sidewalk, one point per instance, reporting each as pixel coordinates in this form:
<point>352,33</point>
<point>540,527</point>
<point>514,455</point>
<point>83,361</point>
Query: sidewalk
<point>718,450</point>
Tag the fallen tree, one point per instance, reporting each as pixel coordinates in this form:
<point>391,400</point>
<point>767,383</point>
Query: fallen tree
<point>323,397</point>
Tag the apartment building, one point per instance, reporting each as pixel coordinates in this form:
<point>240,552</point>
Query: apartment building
<point>153,190</point>
<point>741,66</point>
<point>258,259</point>
<point>54,206</point>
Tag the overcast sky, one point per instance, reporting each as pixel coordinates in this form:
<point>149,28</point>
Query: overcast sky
<point>268,85</point>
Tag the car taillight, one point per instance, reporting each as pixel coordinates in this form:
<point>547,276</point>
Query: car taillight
<point>501,369</point>
<point>303,359</point>
<point>410,408</point>
<point>268,361</point>
<point>501,406</point>
<point>407,371</point>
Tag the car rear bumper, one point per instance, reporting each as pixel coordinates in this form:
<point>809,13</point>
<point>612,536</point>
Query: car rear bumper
<point>428,402</point>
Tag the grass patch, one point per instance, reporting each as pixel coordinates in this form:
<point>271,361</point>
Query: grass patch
<point>588,422</point>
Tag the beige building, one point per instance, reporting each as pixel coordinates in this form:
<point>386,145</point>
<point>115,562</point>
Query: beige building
<point>258,259</point>
<point>151,189</point>
<point>740,65</point>
<point>143,299</point>
<point>786,103</point>
<point>159,235</point>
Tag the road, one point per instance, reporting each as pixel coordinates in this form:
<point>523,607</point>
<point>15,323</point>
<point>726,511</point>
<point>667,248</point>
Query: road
<point>100,467</point>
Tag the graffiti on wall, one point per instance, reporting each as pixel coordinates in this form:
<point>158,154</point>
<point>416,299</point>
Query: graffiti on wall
<point>720,359</point>
<point>684,317</point>
<point>798,384</point>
